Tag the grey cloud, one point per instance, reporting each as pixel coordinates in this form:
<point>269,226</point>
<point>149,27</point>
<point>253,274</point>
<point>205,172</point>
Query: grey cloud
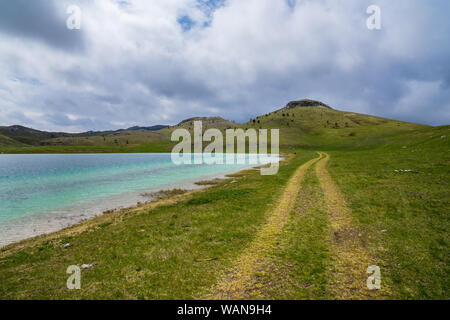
<point>39,20</point>
<point>64,121</point>
<point>253,57</point>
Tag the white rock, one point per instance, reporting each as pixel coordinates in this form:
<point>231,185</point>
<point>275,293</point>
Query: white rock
<point>87,266</point>
<point>65,245</point>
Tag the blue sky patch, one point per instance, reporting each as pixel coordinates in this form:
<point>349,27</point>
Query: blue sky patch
<point>186,23</point>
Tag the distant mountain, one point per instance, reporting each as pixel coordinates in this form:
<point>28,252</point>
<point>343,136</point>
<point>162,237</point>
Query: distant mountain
<point>17,135</point>
<point>28,135</point>
<point>152,128</point>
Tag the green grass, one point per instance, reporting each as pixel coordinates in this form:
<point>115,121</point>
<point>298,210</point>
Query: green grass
<point>170,252</point>
<point>405,215</point>
<point>8,142</point>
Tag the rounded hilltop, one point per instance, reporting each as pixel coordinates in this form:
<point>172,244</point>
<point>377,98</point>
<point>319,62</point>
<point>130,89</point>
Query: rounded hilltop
<point>306,103</point>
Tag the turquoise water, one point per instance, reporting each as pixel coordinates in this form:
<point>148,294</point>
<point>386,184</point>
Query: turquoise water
<point>34,184</point>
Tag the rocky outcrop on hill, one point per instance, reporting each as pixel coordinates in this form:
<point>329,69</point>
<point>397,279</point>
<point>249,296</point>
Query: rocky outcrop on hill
<point>306,103</point>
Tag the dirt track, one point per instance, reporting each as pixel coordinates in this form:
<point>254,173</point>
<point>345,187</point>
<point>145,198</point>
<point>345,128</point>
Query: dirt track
<point>350,259</point>
<point>234,284</point>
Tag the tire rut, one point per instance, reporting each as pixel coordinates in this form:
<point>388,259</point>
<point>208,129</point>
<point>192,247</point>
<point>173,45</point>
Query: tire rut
<point>351,258</point>
<point>235,284</point>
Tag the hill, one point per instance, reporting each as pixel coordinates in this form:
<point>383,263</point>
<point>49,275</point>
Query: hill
<point>152,128</point>
<point>19,139</point>
<point>313,124</point>
<point>7,141</point>
<point>207,123</point>
<point>29,136</point>
<point>107,142</point>
<point>302,123</point>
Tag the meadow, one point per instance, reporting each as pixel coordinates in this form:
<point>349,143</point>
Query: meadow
<point>390,180</point>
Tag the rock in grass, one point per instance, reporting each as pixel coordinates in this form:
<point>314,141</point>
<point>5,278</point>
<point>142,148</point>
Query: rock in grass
<point>66,245</point>
<point>87,266</point>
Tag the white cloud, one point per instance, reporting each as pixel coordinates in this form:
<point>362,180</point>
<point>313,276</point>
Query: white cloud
<point>134,63</point>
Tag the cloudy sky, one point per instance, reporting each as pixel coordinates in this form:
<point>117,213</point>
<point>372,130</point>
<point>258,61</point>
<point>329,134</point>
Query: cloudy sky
<point>146,62</point>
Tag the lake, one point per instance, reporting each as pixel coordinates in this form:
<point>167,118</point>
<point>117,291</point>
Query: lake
<point>42,193</point>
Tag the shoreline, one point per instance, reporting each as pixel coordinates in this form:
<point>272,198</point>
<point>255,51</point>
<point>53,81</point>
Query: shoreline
<point>53,222</point>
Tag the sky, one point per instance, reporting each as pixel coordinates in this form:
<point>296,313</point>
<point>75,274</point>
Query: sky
<point>148,62</point>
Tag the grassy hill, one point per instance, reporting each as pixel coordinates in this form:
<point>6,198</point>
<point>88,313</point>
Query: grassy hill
<point>134,139</point>
<point>207,123</point>
<point>313,124</point>
<point>8,142</point>
<point>91,142</point>
<point>320,126</point>
<point>29,136</point>
<point>302,124</point>
<point>115,141</point>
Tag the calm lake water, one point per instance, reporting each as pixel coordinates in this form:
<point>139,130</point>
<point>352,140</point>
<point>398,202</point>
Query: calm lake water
<point>33,184</point>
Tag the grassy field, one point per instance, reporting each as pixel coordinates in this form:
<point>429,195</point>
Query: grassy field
<point>404,214</point>
<point>389,183</point>
<point>171,251</point>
